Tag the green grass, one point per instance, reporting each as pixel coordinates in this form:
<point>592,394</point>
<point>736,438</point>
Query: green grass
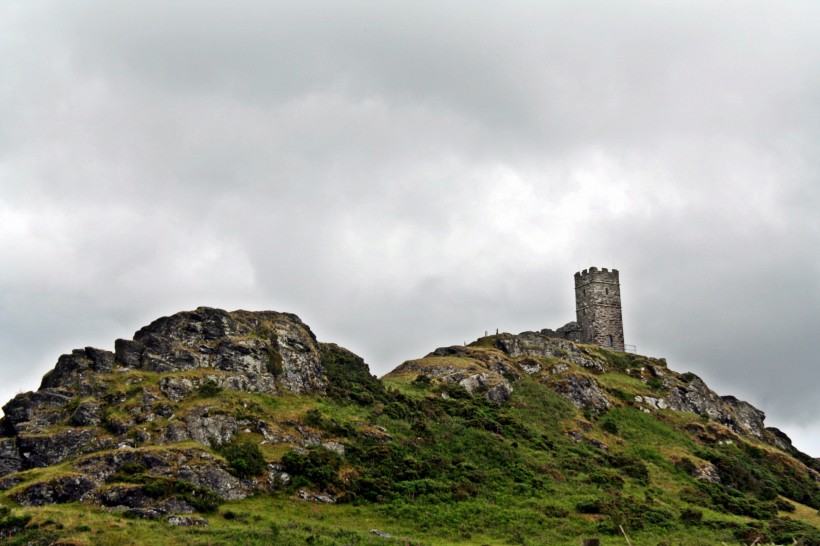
<point>453,470</point>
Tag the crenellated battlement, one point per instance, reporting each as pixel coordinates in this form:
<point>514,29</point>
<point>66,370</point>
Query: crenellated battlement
<point>594,271</point>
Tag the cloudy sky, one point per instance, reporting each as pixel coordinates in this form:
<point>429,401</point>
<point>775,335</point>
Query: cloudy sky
<point>408,175</point>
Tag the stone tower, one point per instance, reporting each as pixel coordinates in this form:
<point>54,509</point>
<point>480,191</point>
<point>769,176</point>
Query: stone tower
<point>598,307</point>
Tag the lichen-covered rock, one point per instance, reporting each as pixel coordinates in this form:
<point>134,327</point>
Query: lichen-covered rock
<point>33,410</point>
<point>59,490</point>
<point>187,521</point>
<point>707,473</point>
<point>542,345</point>
<point>87,414</point>
<point>218,480</point>
<point>480,372</point>
<point>176,388</point>
<point>51,448</point>
<point>10,460</point>
<point>745,417</point>
<point>582,392</point>
<point>211,430</point>
<point>741,417</point>
<point>72,369</point>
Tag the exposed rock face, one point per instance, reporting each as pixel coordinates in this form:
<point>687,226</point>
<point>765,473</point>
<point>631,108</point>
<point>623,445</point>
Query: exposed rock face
<point>10,460</point>
<point>479,372</point>
<point>213,430</point>
<point>544,346</point>
<point>59,490</point>
<point>102,402</point>
<point>582,391</point>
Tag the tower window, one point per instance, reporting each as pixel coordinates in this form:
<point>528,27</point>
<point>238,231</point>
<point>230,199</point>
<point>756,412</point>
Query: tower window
<point>606,290</point>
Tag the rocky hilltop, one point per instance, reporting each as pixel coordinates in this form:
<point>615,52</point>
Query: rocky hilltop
<point>98,402</point>
<point>208,407</point>
<point>491,366</point>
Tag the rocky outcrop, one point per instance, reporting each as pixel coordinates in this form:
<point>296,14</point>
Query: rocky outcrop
<point>57,491</point>
<point>10,460</point>
<point>96,406</point>
<point>78,407</point>
<point>478,371</point>
<point>541,345</point>
<point>582,392</point>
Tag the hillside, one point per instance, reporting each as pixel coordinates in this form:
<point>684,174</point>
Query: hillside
<point>211,427</point>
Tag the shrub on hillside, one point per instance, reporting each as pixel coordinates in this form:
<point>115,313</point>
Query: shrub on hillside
<point>318,465</point>
<point>244,458</point>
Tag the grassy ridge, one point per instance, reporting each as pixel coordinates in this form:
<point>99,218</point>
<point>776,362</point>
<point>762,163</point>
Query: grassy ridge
<point>428,463</point>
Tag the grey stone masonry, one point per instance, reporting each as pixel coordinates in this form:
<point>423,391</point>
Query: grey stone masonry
<point>598,307</point>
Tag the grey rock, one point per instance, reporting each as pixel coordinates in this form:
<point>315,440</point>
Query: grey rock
<point>128,496</point>
<point>696,397</point>
<point>145,513</point>
<point>321,498</point>
<point>210,430</point>
<point>101,361</point>
<point>128,353</point>
<point>778,438</point>
<point>582,392</point>
<point>175,432</point>
<point>541,345</point>
<point>745,417</point>
<point>336,447</point>
<point>7,482</point>
<point>57,491</point>
<point>187,521</point>
<point>176,388</point>
<point>48,449</point>
<point>68,370</point>
<point>86,414</point>
<point>381,534</point>
<point>496,389</point>
<point>707,473</point>
<point>218,480</point>
<point>489,375</point>
<point>277,477</point>
<point>10,460</point>
<point>30,410</point>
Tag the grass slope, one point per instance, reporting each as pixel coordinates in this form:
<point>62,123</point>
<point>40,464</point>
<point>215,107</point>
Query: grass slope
<point>427,463</point>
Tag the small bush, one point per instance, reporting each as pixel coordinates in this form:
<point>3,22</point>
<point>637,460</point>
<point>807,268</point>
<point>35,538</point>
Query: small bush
<point>784,505</point>
<point>275,364</point>
<point>422,381</point>
<point>244,458</point>
<point>128,473</point>
<point>318,465</point>
<point>610,427</point>
<point>656,383</point>
<point>10,522</point>
<point>690,516</point>
<point>209,388</point>
<point>592,506</point>
<point>201,499</point>
<point>688,377</point>
<point>686,466</point>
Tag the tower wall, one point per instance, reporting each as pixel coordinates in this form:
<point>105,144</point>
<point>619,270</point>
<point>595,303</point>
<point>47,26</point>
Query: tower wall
<point>598,307</point>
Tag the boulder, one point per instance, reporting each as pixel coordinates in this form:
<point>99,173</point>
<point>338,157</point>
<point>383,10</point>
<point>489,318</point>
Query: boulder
<point>582,392</point>
<point>10,460</point>
<point>57,491</point>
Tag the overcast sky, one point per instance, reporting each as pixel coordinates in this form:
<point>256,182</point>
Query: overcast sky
<point>408,175</point>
